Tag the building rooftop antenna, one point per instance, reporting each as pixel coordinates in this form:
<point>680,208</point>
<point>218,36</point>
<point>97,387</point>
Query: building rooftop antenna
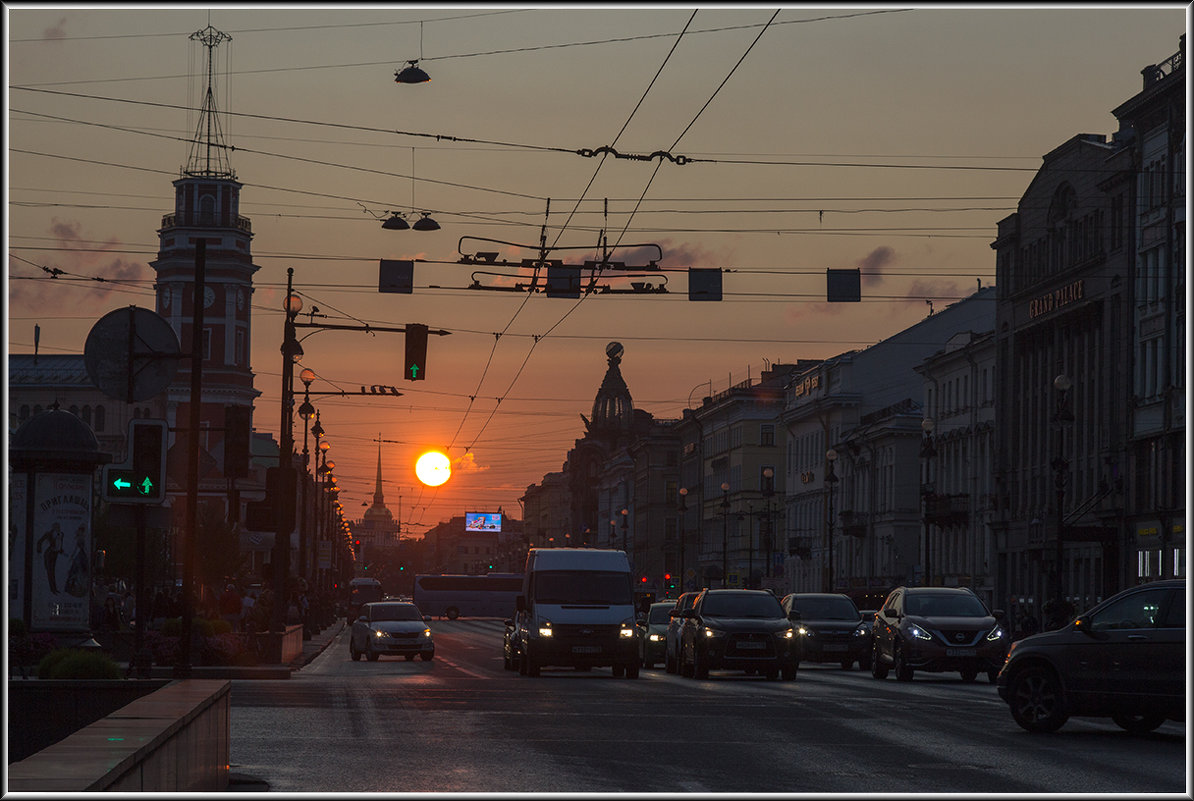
<point>209,155</point>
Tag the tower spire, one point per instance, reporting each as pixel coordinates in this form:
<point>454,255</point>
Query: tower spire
<point>209,156</point>
<point>378,500</point>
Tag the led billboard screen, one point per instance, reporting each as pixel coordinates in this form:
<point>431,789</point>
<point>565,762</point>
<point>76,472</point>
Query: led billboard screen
<point>482,521</point>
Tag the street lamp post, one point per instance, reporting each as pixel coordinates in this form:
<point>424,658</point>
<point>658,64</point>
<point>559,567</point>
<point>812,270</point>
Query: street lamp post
<point>768,493</point>
<point>625,516</point>
<point>284,501</point>
<point>306,411</point>
<point>1062,417</point>
<point>927,491</point>
<point>725,514</point>
<point>830,480</point>
<point>683,508</point>
<point>750,546</point>
<point>613,531</point>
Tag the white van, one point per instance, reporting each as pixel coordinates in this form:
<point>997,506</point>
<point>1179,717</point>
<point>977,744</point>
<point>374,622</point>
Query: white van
<point>576,610</point>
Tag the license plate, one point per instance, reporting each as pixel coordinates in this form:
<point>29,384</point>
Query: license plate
<point>586,649</point>
<point>752,645</point>
<point>836,647</point>
<point>960,652</point>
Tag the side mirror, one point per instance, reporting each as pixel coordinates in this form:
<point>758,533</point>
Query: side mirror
<point>998,614</point>
<point>426,618</point>
<point>520,603</point>
<point>363,619</point>
<point>794,616</point>
<point>509,623</point>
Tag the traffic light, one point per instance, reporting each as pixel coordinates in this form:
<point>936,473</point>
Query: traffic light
<point>142,476</point>
<point>668,581</point>
<point>414,368</point>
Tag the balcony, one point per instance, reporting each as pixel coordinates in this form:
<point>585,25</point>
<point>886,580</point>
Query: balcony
<point>204,221</point>
<point>947,510</point>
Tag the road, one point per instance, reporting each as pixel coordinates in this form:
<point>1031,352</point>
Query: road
<point>463,724</point>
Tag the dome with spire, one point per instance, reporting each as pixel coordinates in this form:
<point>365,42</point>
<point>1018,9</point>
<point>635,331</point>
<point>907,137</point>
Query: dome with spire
<point>613,409</point>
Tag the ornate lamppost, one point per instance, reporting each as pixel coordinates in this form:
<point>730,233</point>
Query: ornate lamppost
<point>625,516</point>
<point>830,481</point>
<point>306,411</point>
<point>768,494</point>
<point>927,493</point>
<point>682,509</point>
<point>284,491</point>
<point>1062,418</point>
<point>725,515</point>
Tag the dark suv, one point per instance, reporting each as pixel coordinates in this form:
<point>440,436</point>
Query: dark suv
<point>937,629</point>
<point>1125,658</point>
<point>738,630</point>
<point>831,628</point>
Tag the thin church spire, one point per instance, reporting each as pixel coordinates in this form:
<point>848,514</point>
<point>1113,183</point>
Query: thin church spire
<point>209,155</point>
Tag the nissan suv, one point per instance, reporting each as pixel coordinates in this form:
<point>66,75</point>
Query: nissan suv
<point>738,630</point>
<point>937,629</point>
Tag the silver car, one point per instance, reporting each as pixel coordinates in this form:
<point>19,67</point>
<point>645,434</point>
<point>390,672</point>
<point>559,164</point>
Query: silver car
<point>391,627</point>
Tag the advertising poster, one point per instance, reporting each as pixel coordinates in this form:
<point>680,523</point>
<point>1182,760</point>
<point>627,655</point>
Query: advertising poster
<point>16,545</point>
<point>480,521</point>
<point>61,552</point>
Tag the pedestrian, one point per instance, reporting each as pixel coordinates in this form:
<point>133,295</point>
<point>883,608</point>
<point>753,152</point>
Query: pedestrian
<point>246,611</point>
<point>230,606</point>
<point>128,609</point>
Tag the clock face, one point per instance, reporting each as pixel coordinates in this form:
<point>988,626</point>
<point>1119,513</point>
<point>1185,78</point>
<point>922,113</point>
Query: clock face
<point>209,297</point>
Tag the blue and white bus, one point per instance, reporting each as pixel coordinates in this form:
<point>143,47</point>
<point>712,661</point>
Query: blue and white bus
<point>451,596</point>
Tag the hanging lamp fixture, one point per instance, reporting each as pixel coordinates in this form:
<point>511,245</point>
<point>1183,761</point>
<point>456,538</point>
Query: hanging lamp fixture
<point>411,72</point>
<point>395,222</point>
<point>425,223</point>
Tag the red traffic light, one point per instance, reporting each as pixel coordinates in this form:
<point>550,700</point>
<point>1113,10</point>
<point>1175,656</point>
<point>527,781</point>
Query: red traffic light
<point>643,579</point>
<point>667,576</point>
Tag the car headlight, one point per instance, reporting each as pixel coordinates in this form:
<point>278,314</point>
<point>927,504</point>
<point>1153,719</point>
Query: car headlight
<point>786,634</point>
<point>862,630</point>
<point>427,633</point>
<point>545,631</point>
<point>996,634</point>
<point>379,633</point>
<point>656,638</point>
<point>919,633</point>
<point>805,632</point>
<point>712,632</point>
<point>626,633</point>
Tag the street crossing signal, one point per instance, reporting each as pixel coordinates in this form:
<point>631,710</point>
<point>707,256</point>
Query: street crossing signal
<point>414,368</point>
<point>142,476</point>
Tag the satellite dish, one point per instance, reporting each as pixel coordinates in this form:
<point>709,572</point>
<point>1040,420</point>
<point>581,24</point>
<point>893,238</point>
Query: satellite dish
<point>131,354</point>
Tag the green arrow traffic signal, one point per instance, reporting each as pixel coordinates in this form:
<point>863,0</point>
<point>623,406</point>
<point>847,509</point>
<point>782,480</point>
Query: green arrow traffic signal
<point>121,484</point>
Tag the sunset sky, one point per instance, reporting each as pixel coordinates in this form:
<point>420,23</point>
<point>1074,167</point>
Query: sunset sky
<point>883,138</point>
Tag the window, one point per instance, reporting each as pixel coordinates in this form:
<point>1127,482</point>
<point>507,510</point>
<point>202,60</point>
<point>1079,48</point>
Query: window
<point>767,434</point>
<point>1136,611</point>
<point>206,344</point>
<point>239,355</point>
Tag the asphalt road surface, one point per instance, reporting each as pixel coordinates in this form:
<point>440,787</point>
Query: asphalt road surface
<point>463,724</point>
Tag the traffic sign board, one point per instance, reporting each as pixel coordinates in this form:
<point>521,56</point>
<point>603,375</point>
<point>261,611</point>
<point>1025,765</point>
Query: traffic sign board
<point>142,476</point>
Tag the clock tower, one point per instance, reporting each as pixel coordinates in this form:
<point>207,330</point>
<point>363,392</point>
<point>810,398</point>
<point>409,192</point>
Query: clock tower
<point>207,208</point>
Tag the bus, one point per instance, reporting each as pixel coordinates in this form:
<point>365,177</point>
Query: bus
<point>362,591</point>
<point>450,596</point>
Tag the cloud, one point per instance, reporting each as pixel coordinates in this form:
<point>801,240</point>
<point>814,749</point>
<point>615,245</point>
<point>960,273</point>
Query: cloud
<point>57,31</point>
<point>80,257</point>
<point>873,263</point>
<point>468,464</point>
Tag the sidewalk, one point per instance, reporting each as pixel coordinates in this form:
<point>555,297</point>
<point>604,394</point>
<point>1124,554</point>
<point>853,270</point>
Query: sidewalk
<point>311,649</point>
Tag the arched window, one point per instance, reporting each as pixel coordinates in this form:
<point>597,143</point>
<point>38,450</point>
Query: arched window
<point>207,210</point>
<point>87,415</point>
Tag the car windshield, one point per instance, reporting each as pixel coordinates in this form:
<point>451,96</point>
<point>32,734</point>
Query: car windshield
<point>394,612</point>
<point>825,608</point>
<point>591,587</point>
<point>736,605</point>
<point>944,606</point>
<point>659,613</point>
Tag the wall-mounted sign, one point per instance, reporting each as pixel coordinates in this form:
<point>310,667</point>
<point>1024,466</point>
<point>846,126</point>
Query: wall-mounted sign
<point>807,385</point>
<point>1057,298</point>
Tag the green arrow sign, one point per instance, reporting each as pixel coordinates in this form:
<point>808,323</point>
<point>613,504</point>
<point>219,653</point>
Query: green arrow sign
<point>121,484</point>
<point>146,486</point>
<point>414,371</point>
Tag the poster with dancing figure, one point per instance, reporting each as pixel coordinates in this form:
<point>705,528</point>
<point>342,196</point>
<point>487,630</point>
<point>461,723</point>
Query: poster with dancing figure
<point>17,494</point>
<point>62,552</point>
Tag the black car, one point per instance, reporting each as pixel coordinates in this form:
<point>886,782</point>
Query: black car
<point>737,630</point>
<point>652,633</point>
<point>831,628</point>
<point>937,629</point>
<point>1124,659</point>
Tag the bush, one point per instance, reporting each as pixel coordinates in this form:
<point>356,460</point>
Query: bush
<point>50,661</point>
<point>74,663</point>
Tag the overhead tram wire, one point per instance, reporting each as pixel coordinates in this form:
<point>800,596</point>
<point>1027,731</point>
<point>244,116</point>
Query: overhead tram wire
<point>535,341</point>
